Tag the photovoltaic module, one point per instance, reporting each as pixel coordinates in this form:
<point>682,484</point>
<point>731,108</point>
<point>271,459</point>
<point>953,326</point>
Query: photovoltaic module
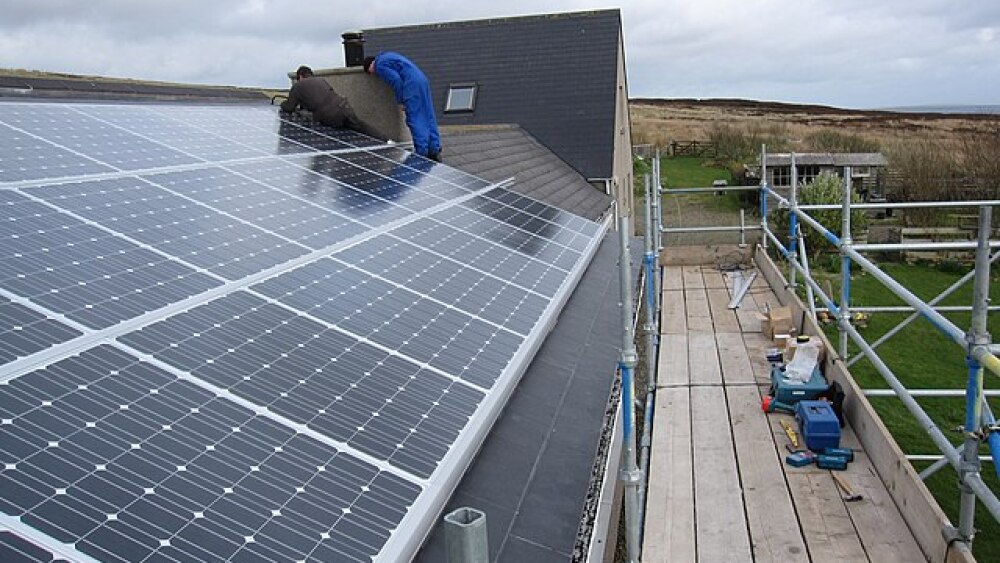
<point>232,335</point>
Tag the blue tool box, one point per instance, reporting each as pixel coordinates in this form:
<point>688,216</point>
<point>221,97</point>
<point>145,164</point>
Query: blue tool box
<point>818,424</point>
<point>791,392</point>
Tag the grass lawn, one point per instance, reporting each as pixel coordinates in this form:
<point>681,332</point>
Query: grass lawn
<point>922,357</point>
<point>693,172</point>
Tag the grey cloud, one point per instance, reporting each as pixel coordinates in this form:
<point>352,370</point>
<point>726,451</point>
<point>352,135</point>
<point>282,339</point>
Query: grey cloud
<point>850,52</point>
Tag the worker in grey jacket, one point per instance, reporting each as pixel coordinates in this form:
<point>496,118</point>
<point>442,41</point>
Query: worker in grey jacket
<point>329,108</point>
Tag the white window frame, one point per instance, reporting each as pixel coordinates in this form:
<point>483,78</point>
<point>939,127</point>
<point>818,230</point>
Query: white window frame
<point>461,86</point>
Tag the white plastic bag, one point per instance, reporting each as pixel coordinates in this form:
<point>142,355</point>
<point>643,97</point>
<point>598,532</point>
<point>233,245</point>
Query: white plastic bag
<point>806,357</point>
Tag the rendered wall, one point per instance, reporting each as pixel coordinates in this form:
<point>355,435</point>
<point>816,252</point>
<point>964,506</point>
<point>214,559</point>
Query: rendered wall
<point>371,98</point>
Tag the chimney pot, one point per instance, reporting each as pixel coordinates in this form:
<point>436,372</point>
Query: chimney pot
<point>354,48</point>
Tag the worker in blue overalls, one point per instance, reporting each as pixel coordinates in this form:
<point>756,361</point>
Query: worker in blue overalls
<point>413,91</point>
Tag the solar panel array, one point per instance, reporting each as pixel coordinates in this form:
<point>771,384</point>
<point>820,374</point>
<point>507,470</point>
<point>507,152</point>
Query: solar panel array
<point>227,334</point>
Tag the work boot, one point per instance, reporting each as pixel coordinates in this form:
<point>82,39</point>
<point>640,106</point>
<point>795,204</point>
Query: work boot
<point>434,155</point>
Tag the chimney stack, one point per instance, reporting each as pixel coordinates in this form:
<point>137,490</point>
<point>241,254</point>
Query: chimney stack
<point>354,48</point>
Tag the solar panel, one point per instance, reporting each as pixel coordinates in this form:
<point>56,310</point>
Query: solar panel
<point>91,137</point>
<point>86,272</point>
<point>24,331</point>
<point>227,334</point>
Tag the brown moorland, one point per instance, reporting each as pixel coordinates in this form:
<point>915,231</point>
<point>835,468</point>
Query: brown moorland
<point>660,121</point>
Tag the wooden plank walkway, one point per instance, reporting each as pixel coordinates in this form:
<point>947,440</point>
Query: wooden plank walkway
<point>719,489</point>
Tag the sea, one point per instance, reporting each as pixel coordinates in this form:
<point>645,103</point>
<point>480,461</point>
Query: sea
<point>990,109</point>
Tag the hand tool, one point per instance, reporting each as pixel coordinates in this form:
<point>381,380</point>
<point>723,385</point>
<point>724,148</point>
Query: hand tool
<point>769,404</point>
<point>851,495</point>
<point>793,437</point>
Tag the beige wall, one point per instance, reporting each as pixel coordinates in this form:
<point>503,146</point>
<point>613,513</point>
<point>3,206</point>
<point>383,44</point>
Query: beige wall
<point>371,98</point>
<point>622,165</point>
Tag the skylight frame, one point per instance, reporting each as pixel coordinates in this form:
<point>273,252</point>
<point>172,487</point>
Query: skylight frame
<point>451,104</point>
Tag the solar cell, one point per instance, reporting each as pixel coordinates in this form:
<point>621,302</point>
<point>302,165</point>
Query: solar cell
<point>163,218</point>
<point>24,332</point>
<point>82,271</point>
<point>406,172</point>
<point>90,137</point>
<point>448,281</point>
<point>243,195</point>
<point>417,326</point>
<point>321,329</point>
<point>370,182</point>
<point>380,403</point>
<point>346,136</point>
<point>26,157</point>
<point>299,178</point>
<point>520,269</point>
<point>237,125</point>
<point>482,224</point>
<point>14,549</point>
<point>125,461</point>
<point>171,132</point>
<point>447,173</point>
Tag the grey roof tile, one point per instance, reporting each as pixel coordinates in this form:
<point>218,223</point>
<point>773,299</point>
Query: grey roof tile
<point>554,75</point>
<point>828,159</point>
<point>506,151</point>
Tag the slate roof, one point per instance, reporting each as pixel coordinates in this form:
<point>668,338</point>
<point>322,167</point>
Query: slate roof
<point>554,75</point>
<point>496,153</point>
<point>533,472</point>
<point>80,87</point>
<point>828,159</point>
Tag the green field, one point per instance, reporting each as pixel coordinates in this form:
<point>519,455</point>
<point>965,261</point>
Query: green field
<point>920,356</point>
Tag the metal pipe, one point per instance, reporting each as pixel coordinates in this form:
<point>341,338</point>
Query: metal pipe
<point>827,233</point>
<point>740,291</point>
<point>647,440</point>
<point>993,438</point>
<point>650,266</point>
<point>941,297</point>
<point>706,229</point>
<point>782,200</point>
<point>902,205</point>
<point>743,229</point>
<point>763,194</point>
<point>845,262</point>
<point>777,243</point>
<point>630,474</point>
<point>907,308</point>
<point>957,245</point>
<point>466,536</point>
<point>657,219</point>
<point>937,319</point>
<point>809,280</point>
<point>698,190</point>
<point>807,273</point>
<point>932,468</point>
<point>929,392</point>
<point>939,457</point>
<point>974,481</point>
<point>793,224</point>
<point>977,337</point>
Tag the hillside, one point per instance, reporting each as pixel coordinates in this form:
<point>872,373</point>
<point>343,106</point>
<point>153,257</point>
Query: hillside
<point>660,121</point>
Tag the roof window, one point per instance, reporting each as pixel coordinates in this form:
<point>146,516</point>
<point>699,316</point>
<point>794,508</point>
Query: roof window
<point>461,97</point>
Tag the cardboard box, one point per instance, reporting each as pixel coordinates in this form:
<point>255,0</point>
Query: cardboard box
<point>777,321</point>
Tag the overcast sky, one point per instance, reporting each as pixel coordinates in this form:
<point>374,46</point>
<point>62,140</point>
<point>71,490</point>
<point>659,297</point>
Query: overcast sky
<point>846,53</point>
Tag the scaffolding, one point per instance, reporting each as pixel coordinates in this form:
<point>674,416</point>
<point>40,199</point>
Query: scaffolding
<point>979,425</point>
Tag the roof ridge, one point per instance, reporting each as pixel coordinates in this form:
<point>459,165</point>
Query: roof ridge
<point>500,20</point>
